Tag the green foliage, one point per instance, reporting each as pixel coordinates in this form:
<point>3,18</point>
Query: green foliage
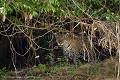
<point>30,73</point>
<point>117,1</point>
<point>42,68</point>
<point>4,72</point>
<point>63,8</point>
<point>93,69</point>
<point>50,58</point>
<point>55,70</point>
<point>62,62</point>
<point>109,16</point>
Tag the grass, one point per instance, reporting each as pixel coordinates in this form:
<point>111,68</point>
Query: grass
<point>104,70</point>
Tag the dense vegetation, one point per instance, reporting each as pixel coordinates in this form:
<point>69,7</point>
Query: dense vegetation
<point>28,30</point>
<point>102,10</point>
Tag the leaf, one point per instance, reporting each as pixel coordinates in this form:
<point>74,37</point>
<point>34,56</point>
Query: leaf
<point>4,9</point>
<point>52,1</point>
<point>52,8</point>
<point>83,7</point>
<point>34,13</point>
<point>1,11</point>
<point>105,16</point>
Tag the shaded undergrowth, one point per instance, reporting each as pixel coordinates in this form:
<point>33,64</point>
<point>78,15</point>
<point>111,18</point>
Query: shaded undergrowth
<point>106,69</point>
